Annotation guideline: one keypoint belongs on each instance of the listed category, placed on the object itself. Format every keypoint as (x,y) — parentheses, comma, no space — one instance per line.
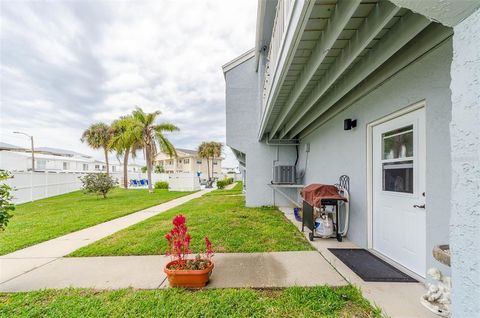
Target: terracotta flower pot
(188,278)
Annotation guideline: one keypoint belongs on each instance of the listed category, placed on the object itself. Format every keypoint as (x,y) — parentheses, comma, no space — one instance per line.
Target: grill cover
(315,193)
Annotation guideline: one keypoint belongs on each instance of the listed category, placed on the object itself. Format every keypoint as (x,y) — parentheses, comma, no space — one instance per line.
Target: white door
(398,161)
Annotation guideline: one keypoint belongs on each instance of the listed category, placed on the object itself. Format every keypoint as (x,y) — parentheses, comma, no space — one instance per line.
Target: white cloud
(66,65)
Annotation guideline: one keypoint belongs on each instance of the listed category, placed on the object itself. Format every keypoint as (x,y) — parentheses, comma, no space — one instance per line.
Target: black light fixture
(349,123)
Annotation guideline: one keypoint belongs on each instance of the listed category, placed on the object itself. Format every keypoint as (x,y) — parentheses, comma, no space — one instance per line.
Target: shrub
(144,169)
(221,184)
(161,185)
(99,183)
(159,169)
(6,206)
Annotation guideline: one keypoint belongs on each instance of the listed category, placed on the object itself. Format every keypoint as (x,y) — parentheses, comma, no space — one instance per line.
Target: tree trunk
(125,169)
(149,169)
(106,160)
(208,169)
(213,168)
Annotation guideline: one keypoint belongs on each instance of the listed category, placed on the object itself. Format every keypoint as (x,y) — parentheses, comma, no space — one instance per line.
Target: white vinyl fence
(30,186)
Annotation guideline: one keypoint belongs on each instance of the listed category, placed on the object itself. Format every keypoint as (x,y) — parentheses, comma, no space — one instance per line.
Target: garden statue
(437,298)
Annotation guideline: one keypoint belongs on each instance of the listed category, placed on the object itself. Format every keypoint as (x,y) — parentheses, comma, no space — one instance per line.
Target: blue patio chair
(142,182)
(133,183)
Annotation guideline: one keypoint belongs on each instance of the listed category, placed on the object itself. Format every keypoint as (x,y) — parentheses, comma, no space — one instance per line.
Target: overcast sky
(65,65)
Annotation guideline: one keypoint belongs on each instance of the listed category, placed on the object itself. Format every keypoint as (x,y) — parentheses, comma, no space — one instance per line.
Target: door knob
(419,206)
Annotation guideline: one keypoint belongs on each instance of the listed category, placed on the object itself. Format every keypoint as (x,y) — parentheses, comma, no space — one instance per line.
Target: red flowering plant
(179,247)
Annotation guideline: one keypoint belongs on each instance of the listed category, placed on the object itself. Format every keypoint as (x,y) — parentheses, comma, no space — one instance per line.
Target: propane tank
(324,226)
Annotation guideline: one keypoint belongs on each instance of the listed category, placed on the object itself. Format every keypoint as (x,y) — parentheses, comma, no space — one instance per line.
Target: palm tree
(205,151)
(126,141)
(98,136)
(152,133)
(217,148)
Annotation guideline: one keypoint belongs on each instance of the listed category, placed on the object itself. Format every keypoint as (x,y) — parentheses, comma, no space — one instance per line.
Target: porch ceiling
(342,43)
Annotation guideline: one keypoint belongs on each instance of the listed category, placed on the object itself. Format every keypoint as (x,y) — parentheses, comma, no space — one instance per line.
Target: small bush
(223,183)
(98,183)
(6,205)
(161,185)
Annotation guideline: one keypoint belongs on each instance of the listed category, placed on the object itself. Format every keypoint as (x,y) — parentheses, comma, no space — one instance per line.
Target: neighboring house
(230,170)
(133,167)
(15,158)
(188,161)
(408,74)
(22,161)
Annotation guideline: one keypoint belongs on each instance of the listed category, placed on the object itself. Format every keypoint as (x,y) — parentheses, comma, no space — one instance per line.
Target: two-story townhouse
(386,92)
(188,161)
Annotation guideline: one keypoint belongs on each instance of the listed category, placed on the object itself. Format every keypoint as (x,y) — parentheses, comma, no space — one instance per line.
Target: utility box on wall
(284,175)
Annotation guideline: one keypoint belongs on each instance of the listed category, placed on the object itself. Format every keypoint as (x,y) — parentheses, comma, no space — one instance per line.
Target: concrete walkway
(27,259)
(258,270)
(397,300)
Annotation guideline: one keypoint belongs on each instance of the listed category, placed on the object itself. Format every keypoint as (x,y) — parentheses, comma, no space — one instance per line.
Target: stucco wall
(465,140)
(334,152)
(242,119)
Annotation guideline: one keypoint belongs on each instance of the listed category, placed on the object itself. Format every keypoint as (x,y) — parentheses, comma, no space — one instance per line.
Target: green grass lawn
(45,219)
(290,302)
(236,190)
(224,219)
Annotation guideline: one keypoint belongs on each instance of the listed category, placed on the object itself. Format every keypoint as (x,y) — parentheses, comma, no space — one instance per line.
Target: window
(215,163)
(65,165)
(114,168)
(397,160)
(97,167)
(187,161)
(85,167)
(41,164)
(398,143)
(199,162)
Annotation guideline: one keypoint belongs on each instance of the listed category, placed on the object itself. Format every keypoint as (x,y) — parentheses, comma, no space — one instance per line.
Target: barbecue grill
(317,198)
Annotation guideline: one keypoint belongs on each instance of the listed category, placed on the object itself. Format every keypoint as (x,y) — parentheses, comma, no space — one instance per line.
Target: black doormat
(369,267)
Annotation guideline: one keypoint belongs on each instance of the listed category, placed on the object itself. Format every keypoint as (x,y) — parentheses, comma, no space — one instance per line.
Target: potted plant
(181,270)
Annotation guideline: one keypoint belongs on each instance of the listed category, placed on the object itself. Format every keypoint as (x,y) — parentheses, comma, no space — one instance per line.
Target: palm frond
(166,127)
(166,146)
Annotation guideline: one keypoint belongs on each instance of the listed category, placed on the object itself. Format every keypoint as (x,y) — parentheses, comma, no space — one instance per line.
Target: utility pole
(32,148)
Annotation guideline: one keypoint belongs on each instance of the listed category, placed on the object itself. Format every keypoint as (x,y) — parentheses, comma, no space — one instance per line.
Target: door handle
(419,206)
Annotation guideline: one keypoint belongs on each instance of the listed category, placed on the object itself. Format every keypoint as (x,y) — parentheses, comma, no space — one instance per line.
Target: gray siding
(334,152)
(242,118)
(465,136)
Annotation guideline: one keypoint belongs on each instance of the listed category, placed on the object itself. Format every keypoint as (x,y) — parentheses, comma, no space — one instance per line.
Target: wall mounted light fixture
(349,123)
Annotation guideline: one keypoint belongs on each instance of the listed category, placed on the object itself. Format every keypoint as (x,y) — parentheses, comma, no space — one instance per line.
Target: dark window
(398,176)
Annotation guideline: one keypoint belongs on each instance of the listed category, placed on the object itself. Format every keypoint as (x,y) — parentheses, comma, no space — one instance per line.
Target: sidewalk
(397,300)
(27,259)
(257,270)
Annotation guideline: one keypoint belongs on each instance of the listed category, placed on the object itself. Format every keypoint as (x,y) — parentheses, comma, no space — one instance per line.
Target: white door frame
(401,112)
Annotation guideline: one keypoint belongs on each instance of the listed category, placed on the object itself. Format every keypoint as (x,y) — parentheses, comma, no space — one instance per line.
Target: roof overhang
(341,44)
(238,60)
